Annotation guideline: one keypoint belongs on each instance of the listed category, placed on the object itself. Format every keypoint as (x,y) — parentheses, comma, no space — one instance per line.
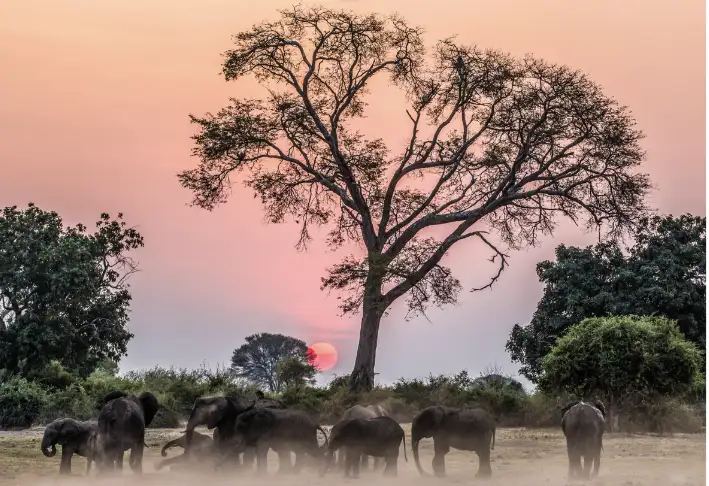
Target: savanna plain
(521,457)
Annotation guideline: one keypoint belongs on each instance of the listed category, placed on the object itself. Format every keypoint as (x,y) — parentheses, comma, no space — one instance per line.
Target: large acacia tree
(493,143)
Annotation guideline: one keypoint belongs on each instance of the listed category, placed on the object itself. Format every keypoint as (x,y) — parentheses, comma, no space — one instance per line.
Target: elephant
(74,436)
(121,426)
(220,413)
(583,425)
(465,429)
(362,412)
(203,447)
(281,430)
(379,437)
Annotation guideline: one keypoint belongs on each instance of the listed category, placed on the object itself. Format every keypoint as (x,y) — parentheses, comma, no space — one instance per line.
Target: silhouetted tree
(63,291)
(663,273)
(494,143)
(267,360)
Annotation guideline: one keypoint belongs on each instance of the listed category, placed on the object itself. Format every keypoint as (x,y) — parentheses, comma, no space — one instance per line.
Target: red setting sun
(323,356)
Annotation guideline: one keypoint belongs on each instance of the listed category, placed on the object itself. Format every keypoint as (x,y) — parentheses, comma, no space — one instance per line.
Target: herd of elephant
(244,432)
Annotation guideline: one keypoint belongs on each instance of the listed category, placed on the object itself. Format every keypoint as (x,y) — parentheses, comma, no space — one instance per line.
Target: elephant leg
(364,462)
(352,459)
(596,460)
(571,452)
(65,464)
(587,463)
(136,457)
(391,464)
(249,456)
(284,464)
(440,450)
(484,469)
(341,459)
(261,458)
(119,459)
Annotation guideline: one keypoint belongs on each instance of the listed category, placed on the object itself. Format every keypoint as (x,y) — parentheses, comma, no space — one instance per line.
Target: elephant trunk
(172,443)
(415,439)
(49,447)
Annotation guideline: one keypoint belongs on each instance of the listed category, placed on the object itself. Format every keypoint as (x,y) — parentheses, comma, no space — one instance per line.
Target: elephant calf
(202,445)
(465,429)
(281,430)
(74,436)
(583,425)
(361,412)
(377,437)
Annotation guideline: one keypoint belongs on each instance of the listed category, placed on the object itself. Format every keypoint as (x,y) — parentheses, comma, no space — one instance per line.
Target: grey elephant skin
(361,412)
(220,413)
(74,436)
(380,437)
(465,429)
(202,445)
(583,425)
(121,426)
(281,430)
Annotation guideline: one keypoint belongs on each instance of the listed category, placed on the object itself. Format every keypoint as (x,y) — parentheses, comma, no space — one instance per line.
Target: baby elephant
(74,436)
(201,444)
(377,437)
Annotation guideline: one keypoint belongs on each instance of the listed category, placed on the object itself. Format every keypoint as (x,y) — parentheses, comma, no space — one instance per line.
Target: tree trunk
(362,377)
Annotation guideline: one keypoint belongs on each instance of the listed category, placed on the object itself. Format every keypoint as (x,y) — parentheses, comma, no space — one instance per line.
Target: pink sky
(94,98)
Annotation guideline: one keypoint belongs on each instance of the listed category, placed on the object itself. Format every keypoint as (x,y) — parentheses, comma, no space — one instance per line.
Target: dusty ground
(521,457)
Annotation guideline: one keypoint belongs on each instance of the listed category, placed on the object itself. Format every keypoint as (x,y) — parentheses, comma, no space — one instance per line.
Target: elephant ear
(209,411)
(566,408)
(599,405)
(150,406)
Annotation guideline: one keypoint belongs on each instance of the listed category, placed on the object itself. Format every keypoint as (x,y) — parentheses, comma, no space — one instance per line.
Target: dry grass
(521,457)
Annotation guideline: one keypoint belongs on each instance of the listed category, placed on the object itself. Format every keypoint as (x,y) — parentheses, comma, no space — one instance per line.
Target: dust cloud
(521,457)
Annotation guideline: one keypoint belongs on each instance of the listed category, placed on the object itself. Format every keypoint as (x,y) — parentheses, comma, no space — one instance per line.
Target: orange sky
(94,98)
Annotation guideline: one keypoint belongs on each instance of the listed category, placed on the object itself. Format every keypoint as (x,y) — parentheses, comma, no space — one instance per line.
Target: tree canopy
(617,357)
(273,361)
(663,273)
(493,143)
(63,290)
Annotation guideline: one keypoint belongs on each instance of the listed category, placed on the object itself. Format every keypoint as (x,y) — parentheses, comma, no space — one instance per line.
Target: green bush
(58,394)
(21,403)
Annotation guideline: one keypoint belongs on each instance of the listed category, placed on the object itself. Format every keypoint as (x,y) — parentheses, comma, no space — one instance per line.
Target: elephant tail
(323,433)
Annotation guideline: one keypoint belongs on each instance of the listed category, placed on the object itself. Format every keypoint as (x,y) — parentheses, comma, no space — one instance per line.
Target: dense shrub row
(55,393)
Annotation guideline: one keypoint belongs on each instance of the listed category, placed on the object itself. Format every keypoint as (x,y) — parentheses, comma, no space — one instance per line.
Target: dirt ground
(521,457)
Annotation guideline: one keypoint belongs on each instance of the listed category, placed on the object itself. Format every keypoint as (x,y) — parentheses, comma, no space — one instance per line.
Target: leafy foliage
(272,361)
(663,274)
(63,291)
(293,372)
(503,144)
(618,357)
(21,402)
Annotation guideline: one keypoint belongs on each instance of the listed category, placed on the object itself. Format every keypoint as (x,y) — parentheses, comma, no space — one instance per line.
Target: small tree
(258,359)
(663,273)
(293,372)
(494,143)
(63,291)
(619,357)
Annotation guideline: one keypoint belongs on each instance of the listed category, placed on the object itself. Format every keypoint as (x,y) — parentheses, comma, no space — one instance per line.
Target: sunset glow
(324,356)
